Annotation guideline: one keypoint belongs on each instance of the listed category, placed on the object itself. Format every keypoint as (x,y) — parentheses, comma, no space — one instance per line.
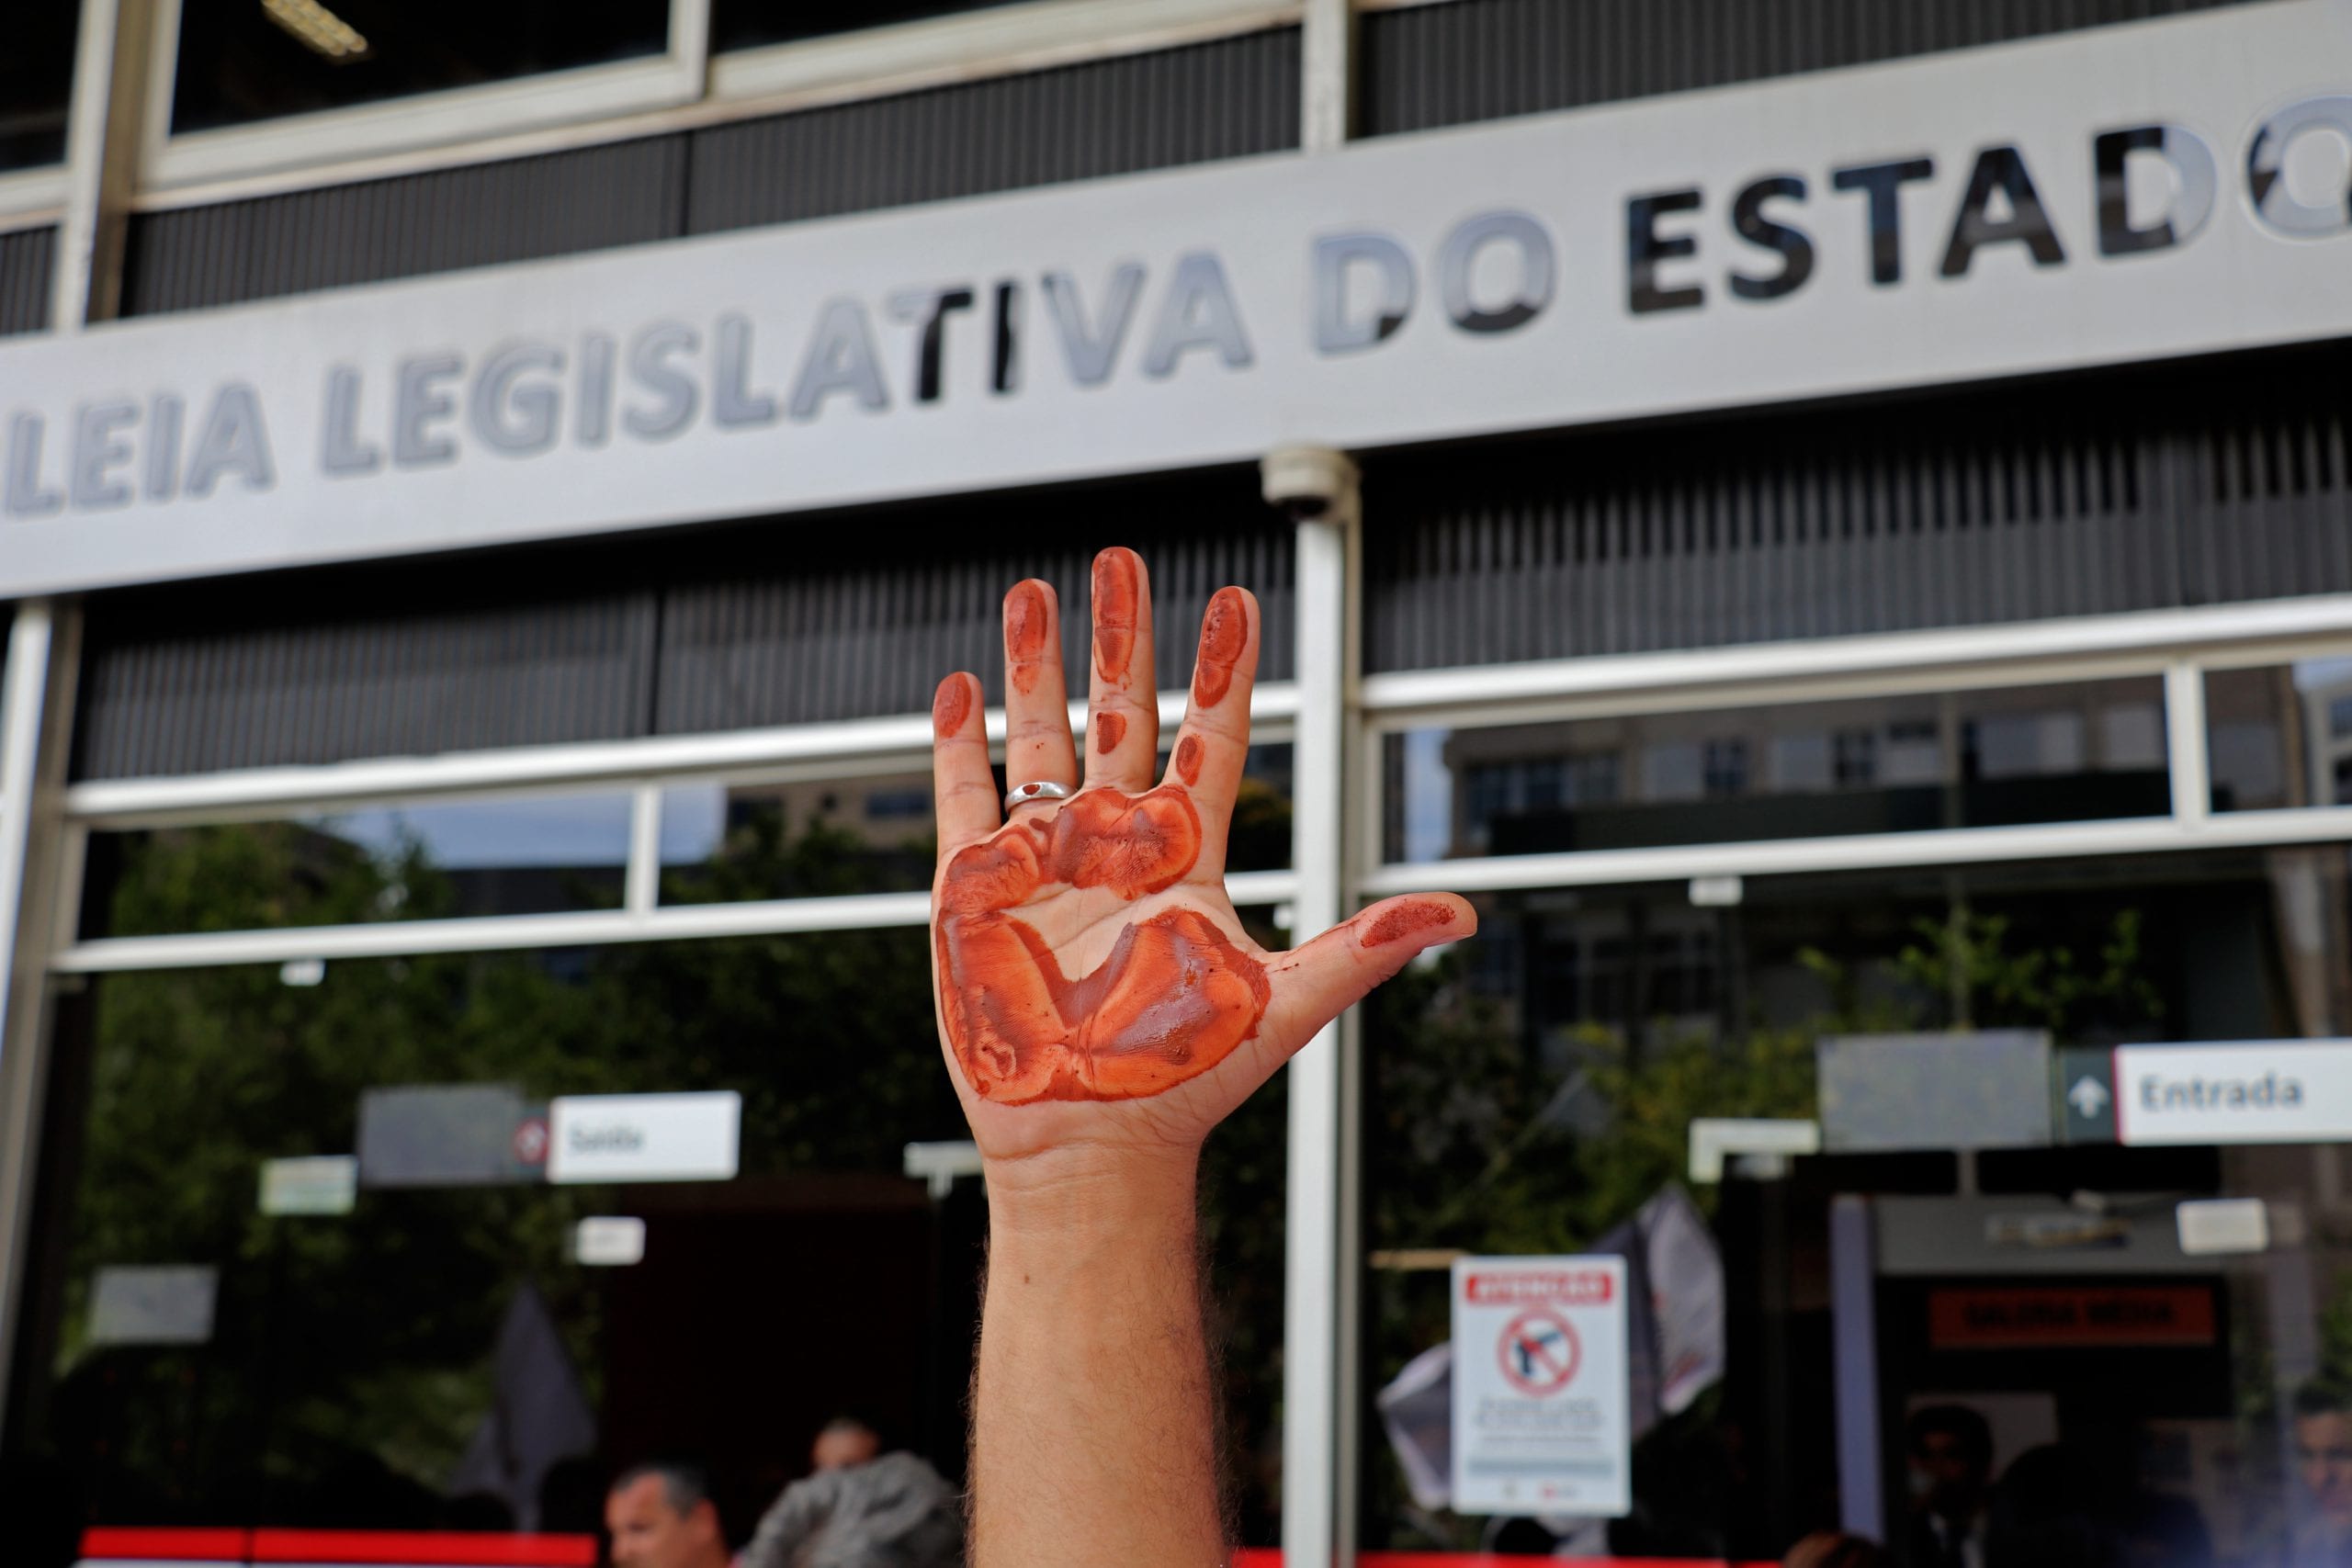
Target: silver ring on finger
(1034,793)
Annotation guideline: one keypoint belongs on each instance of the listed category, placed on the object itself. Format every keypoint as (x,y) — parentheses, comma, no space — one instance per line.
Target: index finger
(1214,744)
(962,784)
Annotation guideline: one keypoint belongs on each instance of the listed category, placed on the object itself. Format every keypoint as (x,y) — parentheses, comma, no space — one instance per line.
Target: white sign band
(2071,201)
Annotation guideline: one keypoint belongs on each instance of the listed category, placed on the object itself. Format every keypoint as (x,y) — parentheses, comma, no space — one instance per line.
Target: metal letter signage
(2167,188)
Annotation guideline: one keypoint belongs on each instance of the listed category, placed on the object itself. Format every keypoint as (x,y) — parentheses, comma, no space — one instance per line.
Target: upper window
(746,23)
(2280,736)
(243,60)
(2083,751)
(36,84)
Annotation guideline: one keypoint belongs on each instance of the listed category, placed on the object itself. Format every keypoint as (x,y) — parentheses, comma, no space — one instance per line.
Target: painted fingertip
(1028,618)
(952,705)
(1028,631)
(1225,637)
(1414,918)
(1118,601)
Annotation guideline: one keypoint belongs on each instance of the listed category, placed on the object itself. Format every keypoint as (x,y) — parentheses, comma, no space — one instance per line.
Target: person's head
(844,1444)
(1836,1549)
(660,1514)
(1951,1450)
(2324,1451)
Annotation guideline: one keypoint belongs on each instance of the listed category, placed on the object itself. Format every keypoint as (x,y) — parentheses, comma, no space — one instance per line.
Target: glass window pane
(430,1351)
(2074,752)
(2280,736)
(542,855)
(36,84)
(1532,1091)
(724,842)
(746,23)
(428,1348)
(243,60)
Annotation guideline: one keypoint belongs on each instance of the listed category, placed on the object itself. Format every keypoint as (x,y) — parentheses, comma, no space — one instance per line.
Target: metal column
(38,856)
(1323,1244)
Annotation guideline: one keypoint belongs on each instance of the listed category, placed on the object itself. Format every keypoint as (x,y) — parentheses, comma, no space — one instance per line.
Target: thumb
(1315,983)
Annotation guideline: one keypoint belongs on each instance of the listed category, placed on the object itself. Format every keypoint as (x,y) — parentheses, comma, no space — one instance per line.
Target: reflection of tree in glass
(350,1358)
(1963,972)
(1474,1145)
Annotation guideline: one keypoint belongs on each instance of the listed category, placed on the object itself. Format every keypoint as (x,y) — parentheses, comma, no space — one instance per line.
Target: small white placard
(1717,892)
(644,1137)
(2268,1091)
(2214,1226)
(154,1305)
(320,1184)
(1540,1423)
(609,1241)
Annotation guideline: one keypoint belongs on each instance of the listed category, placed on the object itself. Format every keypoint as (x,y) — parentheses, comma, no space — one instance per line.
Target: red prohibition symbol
(1540,1352)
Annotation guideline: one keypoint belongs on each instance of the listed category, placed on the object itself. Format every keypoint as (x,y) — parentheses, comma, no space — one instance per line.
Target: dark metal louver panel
(1447,63)
(26,257)
(438,221)
(781,621)
(2144,490)
(1220,100)
(814,619)
(256,674)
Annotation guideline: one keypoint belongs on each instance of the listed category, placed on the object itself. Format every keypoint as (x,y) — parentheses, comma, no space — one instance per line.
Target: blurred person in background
(1836,1549)
(1951,1469)
(860,1508)
(660,1514)
(2323,1462)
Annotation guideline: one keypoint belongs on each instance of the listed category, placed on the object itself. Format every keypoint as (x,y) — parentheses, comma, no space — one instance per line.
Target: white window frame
(32,198)
(644,768)
(37,197)
(999,41)
(2178,646)
(555,99)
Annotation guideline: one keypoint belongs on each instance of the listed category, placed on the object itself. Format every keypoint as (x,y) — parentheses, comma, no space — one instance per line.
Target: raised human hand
(1095,990)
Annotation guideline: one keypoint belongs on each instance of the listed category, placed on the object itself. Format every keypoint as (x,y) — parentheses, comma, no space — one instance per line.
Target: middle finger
(1123,709)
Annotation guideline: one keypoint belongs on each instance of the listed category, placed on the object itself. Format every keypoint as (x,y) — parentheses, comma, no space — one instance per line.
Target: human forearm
(1091,1438)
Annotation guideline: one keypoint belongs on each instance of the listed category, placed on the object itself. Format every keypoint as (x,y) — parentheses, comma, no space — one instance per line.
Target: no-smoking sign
(1540,1386)
(1540,1351)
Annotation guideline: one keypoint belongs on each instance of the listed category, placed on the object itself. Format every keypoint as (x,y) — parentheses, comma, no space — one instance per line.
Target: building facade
(1828,521)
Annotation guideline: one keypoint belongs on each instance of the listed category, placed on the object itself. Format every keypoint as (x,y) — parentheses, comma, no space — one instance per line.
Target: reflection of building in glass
(2054,753)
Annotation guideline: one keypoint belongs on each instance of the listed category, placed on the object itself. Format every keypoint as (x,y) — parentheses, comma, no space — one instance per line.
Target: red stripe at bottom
(167,1545)
(470,1548)
(475,1548)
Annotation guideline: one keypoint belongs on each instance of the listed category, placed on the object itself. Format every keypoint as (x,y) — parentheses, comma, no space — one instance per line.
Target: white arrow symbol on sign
(2088,1097)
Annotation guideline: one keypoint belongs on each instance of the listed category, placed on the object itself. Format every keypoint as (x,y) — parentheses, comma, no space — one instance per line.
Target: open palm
(1095,986)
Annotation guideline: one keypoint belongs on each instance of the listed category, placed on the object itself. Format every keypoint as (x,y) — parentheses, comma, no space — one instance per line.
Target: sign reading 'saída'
(2170,188)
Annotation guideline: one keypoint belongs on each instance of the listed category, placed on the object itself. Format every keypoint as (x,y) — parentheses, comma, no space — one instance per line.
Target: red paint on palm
(1225,632)
(1174,997)
(1118,597)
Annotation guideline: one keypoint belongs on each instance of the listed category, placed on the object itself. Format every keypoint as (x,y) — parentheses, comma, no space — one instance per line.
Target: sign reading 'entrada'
(2278,1092)
(2058,203)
